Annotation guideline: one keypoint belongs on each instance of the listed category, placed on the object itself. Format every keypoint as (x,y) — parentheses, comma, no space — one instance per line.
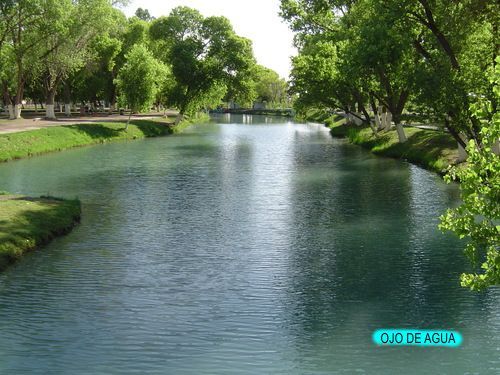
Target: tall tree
(74,25)
(26,30)
(143,14)
(270,87)
(140,79)
(455,41)
(205,54)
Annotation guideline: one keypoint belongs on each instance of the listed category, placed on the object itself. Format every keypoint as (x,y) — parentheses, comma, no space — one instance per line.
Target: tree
(143,14)
(6,14)
(25,31)
(270,87)
(205,54)
(455,41)
(95,80)
(478,217)
(139,80)
(432,53)
(329,72)
(383,54)
(75,25)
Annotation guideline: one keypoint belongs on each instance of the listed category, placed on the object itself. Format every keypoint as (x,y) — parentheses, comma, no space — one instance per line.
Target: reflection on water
(268,248)
(231,118)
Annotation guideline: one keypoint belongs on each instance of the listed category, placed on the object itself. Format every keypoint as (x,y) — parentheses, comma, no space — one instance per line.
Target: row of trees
(87,51)
(426,56)
(434,57)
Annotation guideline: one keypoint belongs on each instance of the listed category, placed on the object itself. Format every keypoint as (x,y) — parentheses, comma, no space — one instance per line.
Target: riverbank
(18,145)
(27,223)
(430,149)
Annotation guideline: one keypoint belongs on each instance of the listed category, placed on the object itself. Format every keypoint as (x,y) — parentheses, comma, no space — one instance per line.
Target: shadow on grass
(30,228)
(431,149)
(153,128)
(425,147)
(95,130)
(116,129)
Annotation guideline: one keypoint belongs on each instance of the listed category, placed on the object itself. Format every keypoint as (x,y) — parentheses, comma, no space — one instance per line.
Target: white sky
(257,20)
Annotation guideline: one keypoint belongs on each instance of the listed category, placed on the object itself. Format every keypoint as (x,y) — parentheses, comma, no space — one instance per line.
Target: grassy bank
(26,223)
(190,120)
(33,142)
(58,138)
(430,149)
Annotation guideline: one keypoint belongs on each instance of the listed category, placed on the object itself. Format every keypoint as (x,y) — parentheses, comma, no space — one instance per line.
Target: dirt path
(25,124)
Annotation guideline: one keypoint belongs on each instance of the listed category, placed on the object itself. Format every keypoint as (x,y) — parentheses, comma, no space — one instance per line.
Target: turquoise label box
(417,337)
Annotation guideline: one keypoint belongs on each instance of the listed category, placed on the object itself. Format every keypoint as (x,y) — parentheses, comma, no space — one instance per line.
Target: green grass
(337,126)
(315,115)
(27,223)
(430,149)
(58,138)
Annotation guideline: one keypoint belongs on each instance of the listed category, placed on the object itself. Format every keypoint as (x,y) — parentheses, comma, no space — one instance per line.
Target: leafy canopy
(138,80)
(478,217)
(205,54)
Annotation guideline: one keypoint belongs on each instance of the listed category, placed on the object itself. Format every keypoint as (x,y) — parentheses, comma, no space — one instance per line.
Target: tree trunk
(179,118)
(373,105)
(431,24)
(128,121)
(388,120)
(462,154)
(377,114)
(368,118)
(112,102)
(383,119)
(378,123)
(17,110)
(9,108)
(19,92)
(454,133)
(49,112)
(358,121)
(401,133)
(11,112)
(67,99)
(67,109)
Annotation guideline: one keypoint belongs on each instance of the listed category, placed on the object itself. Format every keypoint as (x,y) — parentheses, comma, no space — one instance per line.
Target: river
(249,246)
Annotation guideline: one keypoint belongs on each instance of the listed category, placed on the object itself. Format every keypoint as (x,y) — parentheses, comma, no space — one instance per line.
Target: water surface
(250,246)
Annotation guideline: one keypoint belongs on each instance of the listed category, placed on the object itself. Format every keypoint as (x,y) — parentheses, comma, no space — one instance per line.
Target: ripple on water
(244,249)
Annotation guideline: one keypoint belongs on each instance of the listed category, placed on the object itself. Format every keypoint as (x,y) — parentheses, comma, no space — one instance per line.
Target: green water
(251,246)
